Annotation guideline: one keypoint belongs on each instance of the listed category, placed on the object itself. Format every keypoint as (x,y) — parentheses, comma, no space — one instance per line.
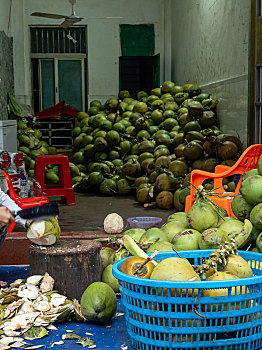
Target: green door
(137,40)
(47,83)
(61,80)
(138,66)
(70,82)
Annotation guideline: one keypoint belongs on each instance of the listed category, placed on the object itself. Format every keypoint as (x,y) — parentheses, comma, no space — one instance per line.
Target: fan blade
(69,22)
(47,15)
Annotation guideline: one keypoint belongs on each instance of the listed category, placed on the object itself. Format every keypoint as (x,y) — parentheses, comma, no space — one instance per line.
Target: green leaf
(71,336)
(35,333)
(85,342)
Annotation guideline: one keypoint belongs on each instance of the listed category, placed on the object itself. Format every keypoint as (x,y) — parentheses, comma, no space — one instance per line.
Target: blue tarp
(105,338)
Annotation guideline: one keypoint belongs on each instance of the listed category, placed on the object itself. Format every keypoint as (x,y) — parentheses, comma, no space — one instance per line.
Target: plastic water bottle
(23,184)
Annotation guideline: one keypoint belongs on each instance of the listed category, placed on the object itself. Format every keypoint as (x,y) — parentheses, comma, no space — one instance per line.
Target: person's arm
(6,201)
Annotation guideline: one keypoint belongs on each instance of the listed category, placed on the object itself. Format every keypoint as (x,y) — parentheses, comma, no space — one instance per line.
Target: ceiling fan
(68,20)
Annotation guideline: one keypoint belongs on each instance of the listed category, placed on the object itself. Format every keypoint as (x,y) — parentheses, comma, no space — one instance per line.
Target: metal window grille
(48,40)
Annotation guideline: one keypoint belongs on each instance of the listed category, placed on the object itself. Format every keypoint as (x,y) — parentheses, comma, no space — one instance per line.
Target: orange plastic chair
(247,161)
(23,203)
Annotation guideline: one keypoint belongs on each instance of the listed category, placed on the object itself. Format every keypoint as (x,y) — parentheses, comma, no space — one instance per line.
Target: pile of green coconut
(30,143)
(148,144)
(205,226)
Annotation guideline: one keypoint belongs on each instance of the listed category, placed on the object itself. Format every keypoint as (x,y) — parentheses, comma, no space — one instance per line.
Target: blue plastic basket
(144,222)
(174,315)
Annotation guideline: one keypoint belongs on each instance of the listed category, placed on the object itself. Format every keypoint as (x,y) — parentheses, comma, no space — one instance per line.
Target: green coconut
(107,255)
(164,200)
(135,233)
(187,240)
(151,236)
(259,242)
(237,230)
(178,216)
(123,187)
(250,173)
(240,207)
(254,234)
(79,158)
(251,189)
(177,204)
(109,279)
(51,178)
(256,216)
(95,178)
(201,216)
(98,302)
(172,228)
(162,246)
(259,166)
(212,238)
(108,187)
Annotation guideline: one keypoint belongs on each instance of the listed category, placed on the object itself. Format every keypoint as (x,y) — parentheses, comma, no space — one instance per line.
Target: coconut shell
(177,204)
(165,200)
(227,150)
(193,151)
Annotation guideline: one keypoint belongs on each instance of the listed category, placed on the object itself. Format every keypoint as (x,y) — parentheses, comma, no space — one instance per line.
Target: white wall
(4,16)
(210,48)
(103,38)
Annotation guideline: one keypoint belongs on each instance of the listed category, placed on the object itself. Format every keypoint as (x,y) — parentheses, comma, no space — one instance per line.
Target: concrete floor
(90,211)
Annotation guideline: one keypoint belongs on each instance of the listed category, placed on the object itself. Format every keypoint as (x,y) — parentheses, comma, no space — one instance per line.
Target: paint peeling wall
(210,48)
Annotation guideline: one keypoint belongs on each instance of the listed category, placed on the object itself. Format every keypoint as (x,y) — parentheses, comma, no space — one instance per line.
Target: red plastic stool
(64,187)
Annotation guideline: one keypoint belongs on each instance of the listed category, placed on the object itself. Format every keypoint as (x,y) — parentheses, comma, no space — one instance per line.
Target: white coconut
(44,232)
(35,279)
(28,290)
(113,223)
(47,283)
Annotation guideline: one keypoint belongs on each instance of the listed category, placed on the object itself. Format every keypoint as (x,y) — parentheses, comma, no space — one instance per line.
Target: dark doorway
(138,73)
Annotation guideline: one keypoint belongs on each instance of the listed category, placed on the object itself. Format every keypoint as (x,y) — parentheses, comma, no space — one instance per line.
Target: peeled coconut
(44,232)
(219,293)
(238,266)
(176,269)
(113,223)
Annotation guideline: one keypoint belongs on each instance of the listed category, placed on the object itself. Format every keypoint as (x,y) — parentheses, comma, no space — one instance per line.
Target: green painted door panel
(137,40)
(47,83)
(70,82)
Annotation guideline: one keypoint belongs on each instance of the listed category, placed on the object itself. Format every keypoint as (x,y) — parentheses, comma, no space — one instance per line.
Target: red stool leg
(11,227)
(64,187)
(70,197)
